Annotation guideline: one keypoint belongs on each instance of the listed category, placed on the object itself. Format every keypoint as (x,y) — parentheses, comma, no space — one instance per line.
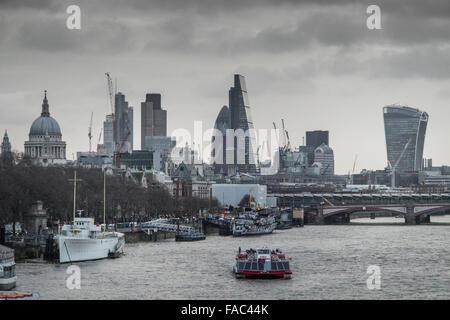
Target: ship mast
(104,199)
(74,180)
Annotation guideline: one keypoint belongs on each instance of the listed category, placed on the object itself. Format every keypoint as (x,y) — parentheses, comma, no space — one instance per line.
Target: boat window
(248,266)
(260,266)
(274,266)
(265,251)
(241,265)
(286,265)
(254,266)
(280,265)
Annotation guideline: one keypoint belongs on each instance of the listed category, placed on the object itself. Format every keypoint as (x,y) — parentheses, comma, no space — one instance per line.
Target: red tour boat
(262,263)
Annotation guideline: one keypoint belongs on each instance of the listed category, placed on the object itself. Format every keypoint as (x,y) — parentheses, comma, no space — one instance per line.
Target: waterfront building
(232,194)
(153,118)
(123,124)
(324,158)
(6,145)
(403,125)
(45,145)
(435,176)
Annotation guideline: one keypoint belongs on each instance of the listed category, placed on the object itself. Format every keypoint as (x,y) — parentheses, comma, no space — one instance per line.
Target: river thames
(328,262)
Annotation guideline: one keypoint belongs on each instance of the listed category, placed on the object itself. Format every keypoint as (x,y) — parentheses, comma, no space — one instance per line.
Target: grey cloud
(50,5)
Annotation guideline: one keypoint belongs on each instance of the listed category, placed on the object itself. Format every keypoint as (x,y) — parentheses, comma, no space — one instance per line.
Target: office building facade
(153,118)
(241,118)
(405,130)
(123,124)
(108,135)
(219,141)
(313,140)
(324,158)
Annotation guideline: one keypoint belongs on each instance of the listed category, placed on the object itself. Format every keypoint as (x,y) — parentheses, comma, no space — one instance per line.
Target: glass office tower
(403,124)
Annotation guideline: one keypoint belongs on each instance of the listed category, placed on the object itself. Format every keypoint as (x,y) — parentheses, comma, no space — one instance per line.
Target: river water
(328,262)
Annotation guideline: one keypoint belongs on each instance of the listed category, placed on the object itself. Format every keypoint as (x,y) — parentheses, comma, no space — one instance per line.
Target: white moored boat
(83,240)
(7,268)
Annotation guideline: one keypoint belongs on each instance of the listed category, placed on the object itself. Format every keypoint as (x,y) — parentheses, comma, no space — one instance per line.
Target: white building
(45,145)
(324,159)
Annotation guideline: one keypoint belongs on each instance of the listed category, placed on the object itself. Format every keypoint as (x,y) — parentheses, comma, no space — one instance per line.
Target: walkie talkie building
(405,127)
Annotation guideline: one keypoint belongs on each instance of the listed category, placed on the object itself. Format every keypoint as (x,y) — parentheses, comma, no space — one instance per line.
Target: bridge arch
(432,210)
(353,209)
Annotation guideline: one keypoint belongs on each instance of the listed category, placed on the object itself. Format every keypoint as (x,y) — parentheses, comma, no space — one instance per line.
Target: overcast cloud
(313,63)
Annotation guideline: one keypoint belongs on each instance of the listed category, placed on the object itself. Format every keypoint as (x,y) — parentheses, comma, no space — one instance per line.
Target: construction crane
(354,163)
(328,201)
(90,133)
(397,162)
(350,179)
(287,142)
(100,136)
(110,92)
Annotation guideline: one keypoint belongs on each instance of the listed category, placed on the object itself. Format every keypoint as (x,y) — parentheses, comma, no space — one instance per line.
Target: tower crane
(110,92)
(287,141)
(350,179)
(90,133)
(100,136)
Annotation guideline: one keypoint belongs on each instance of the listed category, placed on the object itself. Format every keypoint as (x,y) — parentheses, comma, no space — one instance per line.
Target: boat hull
(188,238)
(8,283)
(72,249)
(255,274)
(251,233)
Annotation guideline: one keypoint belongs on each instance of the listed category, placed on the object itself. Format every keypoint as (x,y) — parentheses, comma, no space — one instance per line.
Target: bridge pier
(346,218)
(319,217)
(410,218)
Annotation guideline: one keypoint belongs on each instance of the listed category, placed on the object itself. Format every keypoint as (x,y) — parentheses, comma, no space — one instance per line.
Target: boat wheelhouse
(262,263)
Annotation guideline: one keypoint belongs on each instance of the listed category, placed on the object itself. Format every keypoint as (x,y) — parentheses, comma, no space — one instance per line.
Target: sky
(313,63)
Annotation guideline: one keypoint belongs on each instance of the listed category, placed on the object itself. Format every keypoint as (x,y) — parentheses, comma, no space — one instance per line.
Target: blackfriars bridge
(337,207)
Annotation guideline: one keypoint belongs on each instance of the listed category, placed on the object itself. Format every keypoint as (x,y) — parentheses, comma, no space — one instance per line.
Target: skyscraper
(123,126)
(219,142)
(405,127)
(236,117)
(153,118)
(313,140)
(241,118)
(324,156)
(108,135)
